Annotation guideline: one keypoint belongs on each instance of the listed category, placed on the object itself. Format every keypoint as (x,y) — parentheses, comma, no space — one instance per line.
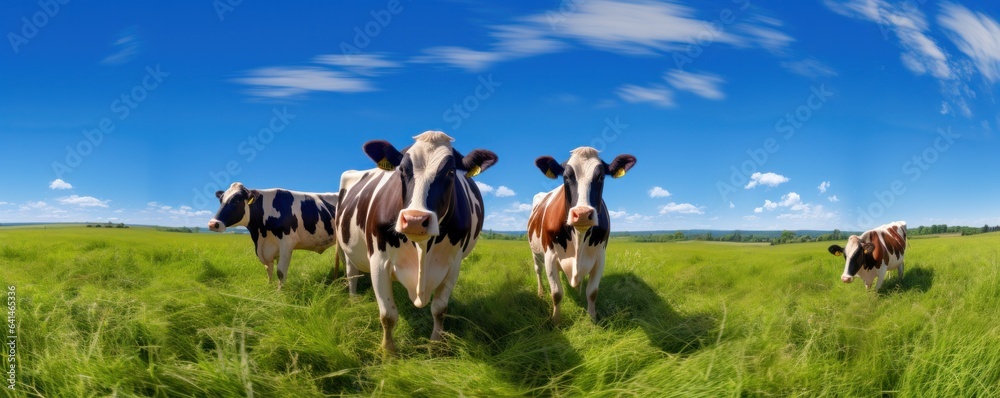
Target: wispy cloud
(833,198)
(976,35)
(633,27)
(338,74)
(809,67)
(920,53)
(58,183)
(766,179)
(703,85)
(126,48)
(658,192)
(656,95)
(518,207)
(484,188)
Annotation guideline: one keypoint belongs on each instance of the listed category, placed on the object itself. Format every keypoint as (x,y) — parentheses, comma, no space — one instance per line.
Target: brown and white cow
(873,254)
(569,226)
(412,220)
(279,222)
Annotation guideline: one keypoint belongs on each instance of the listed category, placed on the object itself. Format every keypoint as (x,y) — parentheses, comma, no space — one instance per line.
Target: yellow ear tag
(250,202)
(867,251)
(619,173)
(385,165)
(474,171)
(548,173)
(838,254)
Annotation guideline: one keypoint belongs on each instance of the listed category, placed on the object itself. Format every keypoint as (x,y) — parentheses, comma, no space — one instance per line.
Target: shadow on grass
(915,279)
(625,301)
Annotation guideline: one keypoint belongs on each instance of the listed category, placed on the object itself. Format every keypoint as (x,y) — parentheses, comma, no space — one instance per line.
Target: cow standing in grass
(279,222)
(413,220)
(569,226)
(873,254)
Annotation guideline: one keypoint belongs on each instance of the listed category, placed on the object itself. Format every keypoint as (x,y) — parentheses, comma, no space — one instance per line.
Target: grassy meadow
(136,312)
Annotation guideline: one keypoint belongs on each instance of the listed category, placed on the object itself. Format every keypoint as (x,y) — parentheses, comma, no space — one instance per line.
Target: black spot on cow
(284,222)
(310,215)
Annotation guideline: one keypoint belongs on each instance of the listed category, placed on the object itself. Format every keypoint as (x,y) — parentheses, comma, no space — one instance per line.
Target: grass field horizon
(149,313)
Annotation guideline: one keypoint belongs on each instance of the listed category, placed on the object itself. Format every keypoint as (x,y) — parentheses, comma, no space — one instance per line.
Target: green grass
(144,313)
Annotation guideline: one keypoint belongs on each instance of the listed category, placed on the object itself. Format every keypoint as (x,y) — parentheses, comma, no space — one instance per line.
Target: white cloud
(769,205)
(626,27)
(681,208)
(5,203)
(126,48)
(920,53)
(823,186)
(790,200)
(656,95)
(976,35)
(503,192)
(702,85)
(34,205)
(617,214)
(518,207)
(767,179)
(83,201)
(505,222)
(362,64)
(809,67)
(58,183)
(731,205)
(281,82)
(166,208)
(945,108)
(658,192)
(758,210)
(834,198)
(484,188)
(750,218)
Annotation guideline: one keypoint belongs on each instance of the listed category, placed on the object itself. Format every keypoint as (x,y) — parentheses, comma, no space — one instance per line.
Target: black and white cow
(569,226)
(873,254)
(279,222)
(413,220)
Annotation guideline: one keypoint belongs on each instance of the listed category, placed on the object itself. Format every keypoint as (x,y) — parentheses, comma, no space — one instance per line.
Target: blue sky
(742,114)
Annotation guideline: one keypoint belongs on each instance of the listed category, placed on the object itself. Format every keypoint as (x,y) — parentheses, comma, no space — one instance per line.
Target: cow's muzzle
(417,225)
(582,217)
(216,226)
(846,278)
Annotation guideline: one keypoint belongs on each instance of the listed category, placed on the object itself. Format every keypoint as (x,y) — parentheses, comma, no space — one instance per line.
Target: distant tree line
(107,225)
(945,229)
(503,235)
(186,230)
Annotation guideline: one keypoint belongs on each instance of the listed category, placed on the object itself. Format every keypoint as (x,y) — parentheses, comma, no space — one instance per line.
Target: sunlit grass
(141,312)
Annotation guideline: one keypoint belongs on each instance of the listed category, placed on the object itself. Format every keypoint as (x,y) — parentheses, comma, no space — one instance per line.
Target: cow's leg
(539,265)
(266,252)
(593,282)
(881,277)
(439,307)
(352,277)
(899,272)
(284,259)
(552,269)
(382,284)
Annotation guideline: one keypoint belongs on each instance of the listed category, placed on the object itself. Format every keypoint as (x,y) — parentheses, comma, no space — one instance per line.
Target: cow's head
(859,249)
(583,182)
(427,170)
(234,207)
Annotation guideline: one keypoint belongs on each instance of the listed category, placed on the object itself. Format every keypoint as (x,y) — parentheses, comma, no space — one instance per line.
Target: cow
(412,220)
(569,226)
(873,254)
(279,222)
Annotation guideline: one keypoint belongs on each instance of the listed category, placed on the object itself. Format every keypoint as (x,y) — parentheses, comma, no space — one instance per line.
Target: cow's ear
(620,165)
(869,247)
(252,196)
(549,166)
(836,250)
(219,194)
(383,154)
(475,162)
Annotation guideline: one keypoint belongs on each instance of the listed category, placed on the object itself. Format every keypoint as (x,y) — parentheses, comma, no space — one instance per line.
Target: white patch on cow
(427,154)
(584,161)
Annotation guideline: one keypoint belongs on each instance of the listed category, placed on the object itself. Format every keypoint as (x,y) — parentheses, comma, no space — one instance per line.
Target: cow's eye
(451,173)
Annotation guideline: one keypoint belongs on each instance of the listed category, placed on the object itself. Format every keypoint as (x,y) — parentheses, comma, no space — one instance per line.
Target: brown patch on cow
(548,220)
(895,240)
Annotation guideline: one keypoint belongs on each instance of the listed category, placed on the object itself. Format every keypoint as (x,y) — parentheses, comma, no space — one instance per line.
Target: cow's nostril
(427,222)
